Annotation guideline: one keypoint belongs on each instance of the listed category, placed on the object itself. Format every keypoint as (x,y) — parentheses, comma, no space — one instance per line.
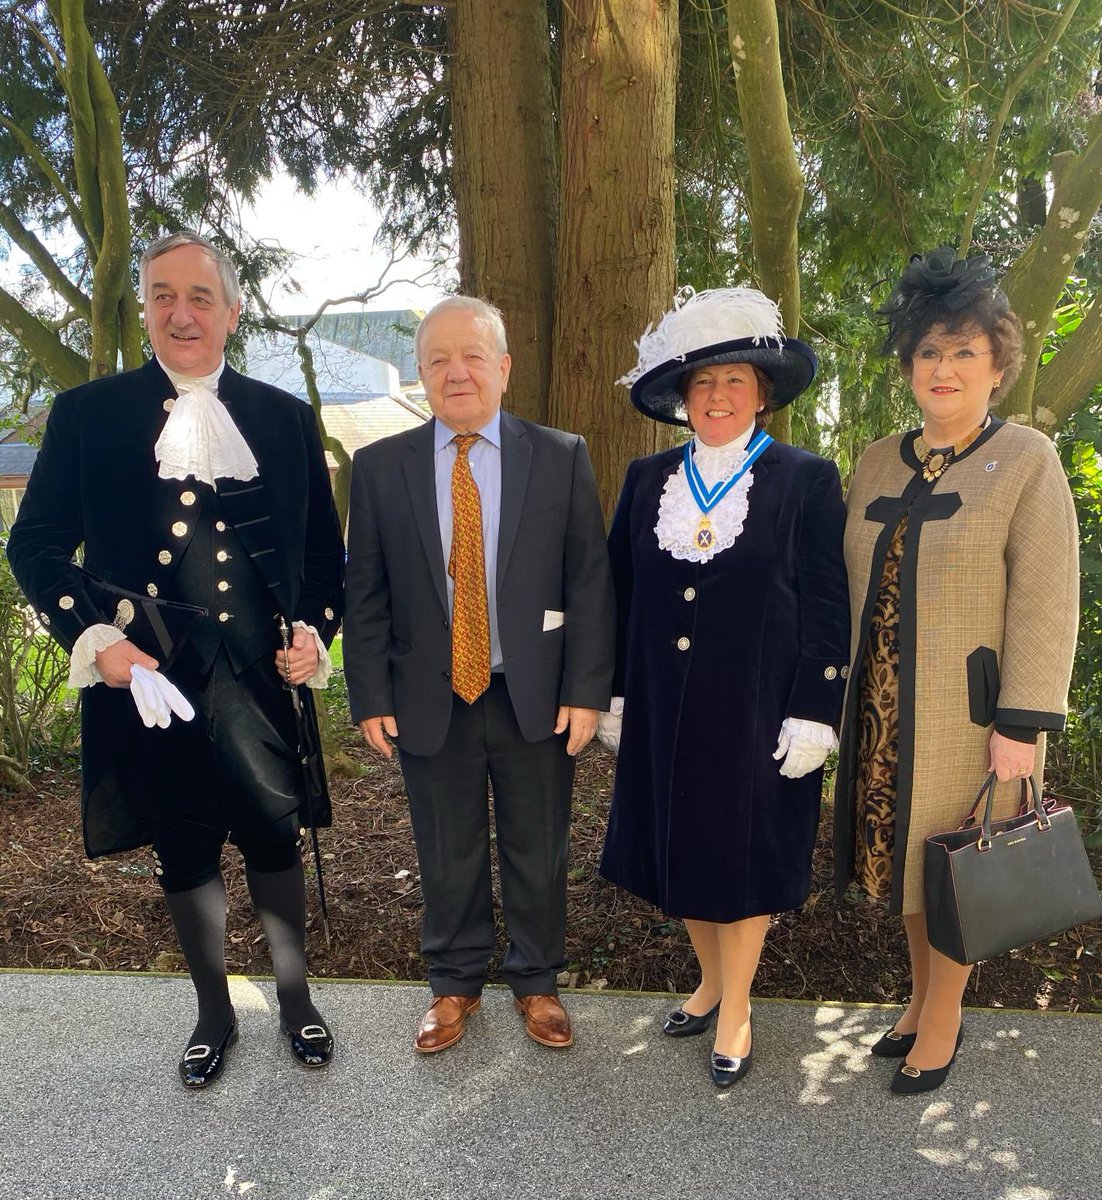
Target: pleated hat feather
(703,329)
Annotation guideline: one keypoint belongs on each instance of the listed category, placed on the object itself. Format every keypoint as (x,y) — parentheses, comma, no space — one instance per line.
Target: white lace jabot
(200,438)
(678,513)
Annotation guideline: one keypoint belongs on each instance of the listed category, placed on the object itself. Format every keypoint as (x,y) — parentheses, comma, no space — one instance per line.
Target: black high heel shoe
(727,1070)
(202,1064)
(893,1045)
(909,1081)
(312,1045)
(679,1023)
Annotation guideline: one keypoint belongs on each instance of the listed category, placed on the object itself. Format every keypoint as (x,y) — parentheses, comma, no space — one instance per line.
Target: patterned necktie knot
(467,567)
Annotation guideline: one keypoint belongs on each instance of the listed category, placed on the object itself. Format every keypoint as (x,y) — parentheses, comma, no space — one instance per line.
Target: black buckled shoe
(679,1023)
(312,1045)
(893,1045)
(202,1064)
(909,1081)
(727,1071)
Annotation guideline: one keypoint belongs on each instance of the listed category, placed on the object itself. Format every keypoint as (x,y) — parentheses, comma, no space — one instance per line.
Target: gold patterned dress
(878,736)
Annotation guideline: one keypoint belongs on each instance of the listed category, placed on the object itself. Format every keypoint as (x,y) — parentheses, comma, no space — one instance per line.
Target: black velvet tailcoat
(95,484)
(703,825)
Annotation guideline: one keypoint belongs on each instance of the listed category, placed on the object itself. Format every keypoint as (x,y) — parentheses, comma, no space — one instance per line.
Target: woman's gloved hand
(608,725)
(804,746)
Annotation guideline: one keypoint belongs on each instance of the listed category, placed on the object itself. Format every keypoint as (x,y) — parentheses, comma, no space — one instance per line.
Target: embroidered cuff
(809,733)
(325,664)
(82,662)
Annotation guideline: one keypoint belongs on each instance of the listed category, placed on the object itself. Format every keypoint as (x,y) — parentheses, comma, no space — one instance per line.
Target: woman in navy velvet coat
(733,637)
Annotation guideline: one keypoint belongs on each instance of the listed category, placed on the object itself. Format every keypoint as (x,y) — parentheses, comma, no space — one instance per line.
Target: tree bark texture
(101,184)
(504,180)
(616,230)
(1036,280)
(776,182)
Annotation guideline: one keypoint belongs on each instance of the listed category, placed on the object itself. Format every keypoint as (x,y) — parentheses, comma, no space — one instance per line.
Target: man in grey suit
(479,638)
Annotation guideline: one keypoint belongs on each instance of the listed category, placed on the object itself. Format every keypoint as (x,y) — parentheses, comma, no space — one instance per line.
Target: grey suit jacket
(551,557)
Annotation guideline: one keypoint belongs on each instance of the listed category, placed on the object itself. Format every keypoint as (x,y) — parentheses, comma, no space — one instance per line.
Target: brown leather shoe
(545,1020)
(442,1025)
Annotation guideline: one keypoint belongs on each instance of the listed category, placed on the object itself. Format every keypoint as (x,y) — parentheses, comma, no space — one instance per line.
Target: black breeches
(230,774)
(188,855)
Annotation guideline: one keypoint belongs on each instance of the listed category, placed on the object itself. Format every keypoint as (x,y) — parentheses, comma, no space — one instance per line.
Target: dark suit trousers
(532,787)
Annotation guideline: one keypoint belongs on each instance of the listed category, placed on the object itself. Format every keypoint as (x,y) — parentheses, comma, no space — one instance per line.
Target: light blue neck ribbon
(707,498)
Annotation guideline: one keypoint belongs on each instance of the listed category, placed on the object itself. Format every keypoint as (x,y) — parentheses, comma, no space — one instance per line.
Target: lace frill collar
(679,515)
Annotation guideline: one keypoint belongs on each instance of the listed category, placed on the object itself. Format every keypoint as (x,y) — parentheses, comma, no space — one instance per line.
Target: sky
(332,232)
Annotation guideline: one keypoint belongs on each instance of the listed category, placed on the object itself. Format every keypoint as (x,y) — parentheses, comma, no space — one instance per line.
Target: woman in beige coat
(962,552)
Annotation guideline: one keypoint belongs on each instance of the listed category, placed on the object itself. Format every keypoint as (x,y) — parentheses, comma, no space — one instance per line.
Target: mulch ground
(58,909)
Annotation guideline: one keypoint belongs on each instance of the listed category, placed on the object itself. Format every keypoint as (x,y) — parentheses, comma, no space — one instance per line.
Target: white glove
(804,746)
(156,699)
(608,725)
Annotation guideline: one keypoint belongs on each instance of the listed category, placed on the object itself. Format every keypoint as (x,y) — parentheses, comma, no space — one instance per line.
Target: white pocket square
(552,619)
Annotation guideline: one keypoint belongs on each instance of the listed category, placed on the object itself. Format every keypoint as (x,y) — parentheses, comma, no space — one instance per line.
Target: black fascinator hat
(939,289)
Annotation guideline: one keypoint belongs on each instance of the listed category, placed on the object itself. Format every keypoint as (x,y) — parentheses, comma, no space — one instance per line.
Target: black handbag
(998,885)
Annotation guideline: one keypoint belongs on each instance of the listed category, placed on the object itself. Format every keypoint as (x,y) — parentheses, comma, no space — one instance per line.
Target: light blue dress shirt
(485,459)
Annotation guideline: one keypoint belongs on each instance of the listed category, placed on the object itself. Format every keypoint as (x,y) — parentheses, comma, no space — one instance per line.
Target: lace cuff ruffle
(320,677)
(810,733)
(82,662)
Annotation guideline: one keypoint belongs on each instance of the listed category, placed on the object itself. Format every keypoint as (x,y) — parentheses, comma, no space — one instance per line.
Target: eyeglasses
(928,358)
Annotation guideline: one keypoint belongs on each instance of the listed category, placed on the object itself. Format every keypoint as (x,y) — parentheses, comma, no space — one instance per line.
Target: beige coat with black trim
(989,612)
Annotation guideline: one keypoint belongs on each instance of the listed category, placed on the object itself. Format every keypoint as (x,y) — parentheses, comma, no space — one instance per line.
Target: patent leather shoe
(893,1045)
(679,1023)
(909,1081)
(202,1064)
(312,1045)
(727,1071)
(442,1025)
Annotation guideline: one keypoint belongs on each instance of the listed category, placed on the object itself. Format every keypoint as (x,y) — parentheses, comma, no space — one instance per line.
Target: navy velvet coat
(703,825)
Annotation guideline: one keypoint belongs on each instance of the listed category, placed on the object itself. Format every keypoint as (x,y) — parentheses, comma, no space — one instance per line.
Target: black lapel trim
(921,504)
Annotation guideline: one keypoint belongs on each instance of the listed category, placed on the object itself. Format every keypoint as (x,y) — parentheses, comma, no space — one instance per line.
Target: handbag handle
(1044,822)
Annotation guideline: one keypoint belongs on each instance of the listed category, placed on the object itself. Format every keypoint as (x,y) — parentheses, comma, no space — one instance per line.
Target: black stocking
(199,916)
(280,901)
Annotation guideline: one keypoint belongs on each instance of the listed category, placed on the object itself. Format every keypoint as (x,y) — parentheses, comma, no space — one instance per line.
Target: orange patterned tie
(467,566)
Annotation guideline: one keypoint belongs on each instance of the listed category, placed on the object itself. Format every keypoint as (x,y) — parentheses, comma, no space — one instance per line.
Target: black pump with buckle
(909,1081)
(202,1064)
(893,1045)
(312,1045)
(679,1023)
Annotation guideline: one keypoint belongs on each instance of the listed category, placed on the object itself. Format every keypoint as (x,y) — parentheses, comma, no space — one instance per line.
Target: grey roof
(386,335)
(17,458)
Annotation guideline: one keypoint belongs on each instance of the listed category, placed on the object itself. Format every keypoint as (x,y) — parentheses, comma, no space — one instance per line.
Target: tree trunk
(616,240)
(776,182)
(101,181)
(503,176)
(1037,278)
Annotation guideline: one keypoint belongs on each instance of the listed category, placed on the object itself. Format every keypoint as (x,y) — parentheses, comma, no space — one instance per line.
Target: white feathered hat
(706,328)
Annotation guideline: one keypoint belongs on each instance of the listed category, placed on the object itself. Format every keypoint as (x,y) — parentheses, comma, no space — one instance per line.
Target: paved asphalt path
(92,1108)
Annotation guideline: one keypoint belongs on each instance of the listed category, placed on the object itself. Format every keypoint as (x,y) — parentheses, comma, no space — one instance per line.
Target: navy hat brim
(792,366)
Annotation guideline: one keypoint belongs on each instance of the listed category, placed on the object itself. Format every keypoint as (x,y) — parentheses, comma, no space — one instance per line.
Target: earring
(998,384)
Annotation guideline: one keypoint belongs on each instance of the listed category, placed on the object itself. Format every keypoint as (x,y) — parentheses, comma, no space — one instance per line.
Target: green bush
(38,714)
(1076,755)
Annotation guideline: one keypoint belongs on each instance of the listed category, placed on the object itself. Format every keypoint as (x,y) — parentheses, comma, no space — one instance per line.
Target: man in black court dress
(187,482)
